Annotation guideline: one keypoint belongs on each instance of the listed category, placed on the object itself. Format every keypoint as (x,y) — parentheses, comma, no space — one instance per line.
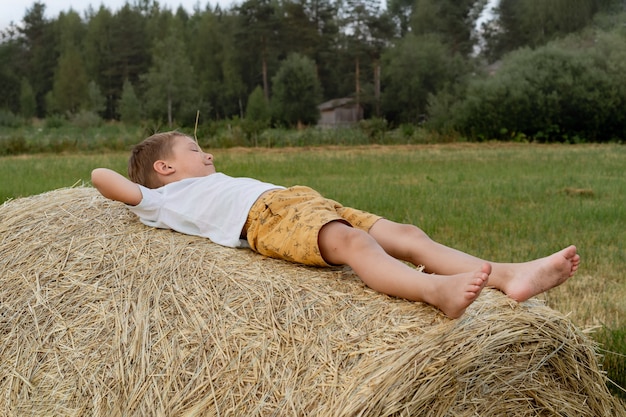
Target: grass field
(504,202)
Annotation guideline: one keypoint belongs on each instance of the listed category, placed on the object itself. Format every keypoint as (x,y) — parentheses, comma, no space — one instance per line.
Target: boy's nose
(208,156)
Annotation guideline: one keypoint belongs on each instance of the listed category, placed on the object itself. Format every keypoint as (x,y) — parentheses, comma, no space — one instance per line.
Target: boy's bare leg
(452,294)
(519,281)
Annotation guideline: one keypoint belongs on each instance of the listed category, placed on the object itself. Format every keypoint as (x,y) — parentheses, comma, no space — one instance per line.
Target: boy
(175,185)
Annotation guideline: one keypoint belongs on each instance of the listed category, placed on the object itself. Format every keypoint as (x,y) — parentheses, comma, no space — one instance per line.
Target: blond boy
(175,185)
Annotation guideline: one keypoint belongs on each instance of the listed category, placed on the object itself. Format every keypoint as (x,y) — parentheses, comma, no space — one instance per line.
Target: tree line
(539,69)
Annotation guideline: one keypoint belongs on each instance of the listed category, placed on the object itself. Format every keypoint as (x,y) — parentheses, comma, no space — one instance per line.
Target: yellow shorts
(285,223)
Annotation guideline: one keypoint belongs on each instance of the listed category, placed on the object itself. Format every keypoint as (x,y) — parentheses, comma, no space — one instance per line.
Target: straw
(103,316)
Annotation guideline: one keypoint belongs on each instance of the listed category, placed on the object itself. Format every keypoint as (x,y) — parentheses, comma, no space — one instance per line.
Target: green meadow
(503,202)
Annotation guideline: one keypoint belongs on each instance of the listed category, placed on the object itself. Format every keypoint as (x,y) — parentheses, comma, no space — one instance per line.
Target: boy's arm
(115,186)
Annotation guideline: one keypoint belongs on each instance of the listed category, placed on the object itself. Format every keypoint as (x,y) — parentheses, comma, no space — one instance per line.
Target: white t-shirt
(215,206)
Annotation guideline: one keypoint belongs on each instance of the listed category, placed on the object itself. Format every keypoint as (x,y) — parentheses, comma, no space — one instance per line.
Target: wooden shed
(339,112)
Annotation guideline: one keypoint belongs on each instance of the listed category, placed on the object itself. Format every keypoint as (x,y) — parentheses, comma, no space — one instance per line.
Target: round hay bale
(103,316)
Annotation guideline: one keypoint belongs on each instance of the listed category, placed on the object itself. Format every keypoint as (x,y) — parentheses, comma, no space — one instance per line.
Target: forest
(536,70)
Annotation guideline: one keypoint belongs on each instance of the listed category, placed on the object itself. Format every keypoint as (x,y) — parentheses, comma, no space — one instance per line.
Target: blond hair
(146,153)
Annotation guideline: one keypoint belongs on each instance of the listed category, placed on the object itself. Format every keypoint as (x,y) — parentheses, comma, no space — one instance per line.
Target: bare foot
(457,292)
(532,278)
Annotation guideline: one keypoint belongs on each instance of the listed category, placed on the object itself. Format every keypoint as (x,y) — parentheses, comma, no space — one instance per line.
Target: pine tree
(28,104)
(170,81)
(70,83)
(129,105)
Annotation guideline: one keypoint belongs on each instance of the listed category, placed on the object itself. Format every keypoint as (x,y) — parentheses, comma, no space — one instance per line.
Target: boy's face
(188,160)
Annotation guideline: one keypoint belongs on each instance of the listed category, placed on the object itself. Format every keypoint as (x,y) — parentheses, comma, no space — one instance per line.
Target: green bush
(224,134)
(13,145)
(55,122)
(296,91)
(556,93)
(374,129)
(85,119)
(8,119)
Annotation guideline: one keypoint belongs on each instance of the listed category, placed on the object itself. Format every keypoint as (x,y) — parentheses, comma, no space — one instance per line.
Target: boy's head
(145,154)
(168,157)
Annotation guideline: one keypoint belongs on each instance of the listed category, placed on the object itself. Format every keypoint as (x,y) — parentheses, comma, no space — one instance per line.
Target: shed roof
(335,103)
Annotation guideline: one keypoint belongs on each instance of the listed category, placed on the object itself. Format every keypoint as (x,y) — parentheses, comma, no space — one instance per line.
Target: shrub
(552,94)
(54,122)
(374,129)
(8,119)
(297,91)
(13,145)
(85,119)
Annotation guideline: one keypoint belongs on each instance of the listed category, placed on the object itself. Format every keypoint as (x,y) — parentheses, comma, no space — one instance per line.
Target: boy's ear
(163,168)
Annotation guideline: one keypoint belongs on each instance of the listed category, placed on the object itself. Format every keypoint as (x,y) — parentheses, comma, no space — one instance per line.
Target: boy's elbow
(104,181)
(97,177)
(114,186)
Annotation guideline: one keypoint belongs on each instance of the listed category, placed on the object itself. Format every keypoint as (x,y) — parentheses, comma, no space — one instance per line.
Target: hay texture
(103,316)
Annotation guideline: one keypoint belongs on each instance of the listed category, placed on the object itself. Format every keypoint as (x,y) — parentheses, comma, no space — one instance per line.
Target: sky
(14,10)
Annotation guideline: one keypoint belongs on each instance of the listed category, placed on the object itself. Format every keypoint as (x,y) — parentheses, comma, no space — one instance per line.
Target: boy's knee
(338,238)
(341,233)
(414,231)
(353,238)
(407,230)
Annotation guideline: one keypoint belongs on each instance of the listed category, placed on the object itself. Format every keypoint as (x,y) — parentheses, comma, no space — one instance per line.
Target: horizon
(14,11)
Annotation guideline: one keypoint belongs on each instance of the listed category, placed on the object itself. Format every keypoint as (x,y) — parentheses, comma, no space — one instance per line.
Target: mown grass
(503,202)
